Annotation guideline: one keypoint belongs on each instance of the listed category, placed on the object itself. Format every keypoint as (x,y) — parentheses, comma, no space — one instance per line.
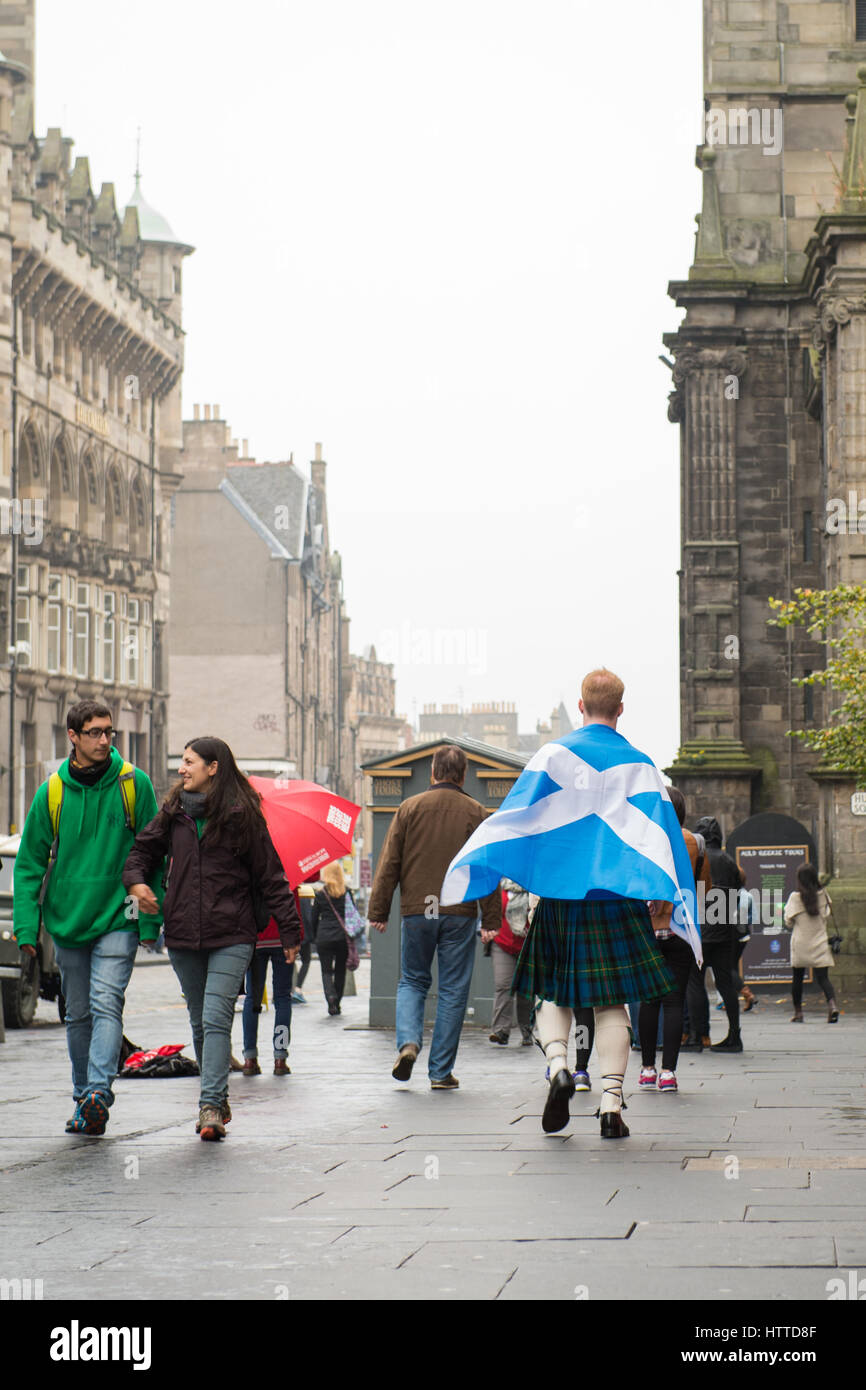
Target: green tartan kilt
(596,951)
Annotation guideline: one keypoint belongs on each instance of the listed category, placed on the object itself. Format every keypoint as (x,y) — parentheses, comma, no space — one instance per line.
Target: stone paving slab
(324,1187)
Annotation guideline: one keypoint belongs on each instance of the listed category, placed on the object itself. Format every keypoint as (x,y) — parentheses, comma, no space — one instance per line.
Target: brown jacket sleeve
(387,870)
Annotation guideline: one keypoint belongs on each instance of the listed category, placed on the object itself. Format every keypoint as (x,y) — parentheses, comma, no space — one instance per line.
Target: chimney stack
(216,412)
(207,412)
(196,411)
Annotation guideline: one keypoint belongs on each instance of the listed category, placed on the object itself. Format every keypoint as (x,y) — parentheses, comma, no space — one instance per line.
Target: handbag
(517,911)
(834,941)
(354,920)
(353,960)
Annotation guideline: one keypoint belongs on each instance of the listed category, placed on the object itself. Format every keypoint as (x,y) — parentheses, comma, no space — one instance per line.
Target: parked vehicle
(24,979)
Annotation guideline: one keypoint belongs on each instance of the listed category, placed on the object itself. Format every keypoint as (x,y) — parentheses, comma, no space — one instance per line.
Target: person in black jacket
(213,834)
(328,926)
(719,929)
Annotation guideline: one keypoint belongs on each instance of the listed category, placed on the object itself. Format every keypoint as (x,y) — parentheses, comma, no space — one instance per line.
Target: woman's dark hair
(807,877)
(678,802)
(233,808)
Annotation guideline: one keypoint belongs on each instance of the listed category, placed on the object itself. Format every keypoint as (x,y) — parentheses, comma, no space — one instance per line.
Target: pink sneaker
(668,1081)
(647,1076)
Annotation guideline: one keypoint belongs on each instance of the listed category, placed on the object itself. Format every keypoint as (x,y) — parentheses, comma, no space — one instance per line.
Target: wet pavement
(336,1182)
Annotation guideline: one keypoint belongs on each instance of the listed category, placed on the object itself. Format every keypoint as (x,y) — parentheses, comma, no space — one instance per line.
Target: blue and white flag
(589,817)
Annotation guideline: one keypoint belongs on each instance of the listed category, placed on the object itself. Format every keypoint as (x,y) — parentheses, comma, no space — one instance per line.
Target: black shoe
(501,1038)
(613,1126)
(728,1044)
(526,1040)
(556,1114)
(333,1009)
(693,1045)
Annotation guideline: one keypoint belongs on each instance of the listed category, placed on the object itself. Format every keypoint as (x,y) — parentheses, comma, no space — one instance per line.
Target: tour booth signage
(490,775)
(769,849)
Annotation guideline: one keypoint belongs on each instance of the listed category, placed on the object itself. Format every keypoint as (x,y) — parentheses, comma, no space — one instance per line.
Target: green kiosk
(490,775)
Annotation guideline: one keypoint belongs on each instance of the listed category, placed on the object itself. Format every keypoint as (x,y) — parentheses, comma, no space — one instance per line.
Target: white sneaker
(647,1076)
(668,1081)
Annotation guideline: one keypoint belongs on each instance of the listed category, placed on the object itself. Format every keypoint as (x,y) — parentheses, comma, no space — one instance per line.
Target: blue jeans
(211,981)
(281,974)
(452,940)
(94,980)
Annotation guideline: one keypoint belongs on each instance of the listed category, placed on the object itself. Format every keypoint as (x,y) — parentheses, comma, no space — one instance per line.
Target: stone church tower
(769,378)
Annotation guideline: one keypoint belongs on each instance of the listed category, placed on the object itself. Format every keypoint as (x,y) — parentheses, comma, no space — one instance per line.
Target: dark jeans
(679,958)
(255,987)
(822,975)
(304,956)
(721,957)
(332,959)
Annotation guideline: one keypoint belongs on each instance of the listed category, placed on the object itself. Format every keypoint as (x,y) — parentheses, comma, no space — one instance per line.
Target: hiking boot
(210,1123)
(225,1116)
(251,1067)
(281,1067)
(402,1068)
(444,1083)
(500,1037)
(91,1115)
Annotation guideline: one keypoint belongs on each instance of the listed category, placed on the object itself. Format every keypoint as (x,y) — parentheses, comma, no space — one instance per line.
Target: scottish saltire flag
(589,817)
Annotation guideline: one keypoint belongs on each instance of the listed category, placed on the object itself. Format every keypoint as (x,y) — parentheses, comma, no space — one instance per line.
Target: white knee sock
(612,1046)
(554,1027)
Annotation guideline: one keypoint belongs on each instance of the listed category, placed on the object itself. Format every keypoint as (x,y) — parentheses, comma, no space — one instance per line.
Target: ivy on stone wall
(837,618)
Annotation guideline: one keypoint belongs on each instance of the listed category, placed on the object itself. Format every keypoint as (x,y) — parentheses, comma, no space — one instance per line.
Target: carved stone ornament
(731,361)
(833,312)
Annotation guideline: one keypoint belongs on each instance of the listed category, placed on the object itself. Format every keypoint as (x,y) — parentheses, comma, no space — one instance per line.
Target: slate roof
(272,498)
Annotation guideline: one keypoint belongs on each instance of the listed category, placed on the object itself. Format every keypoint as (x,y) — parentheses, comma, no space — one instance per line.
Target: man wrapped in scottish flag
(590,828)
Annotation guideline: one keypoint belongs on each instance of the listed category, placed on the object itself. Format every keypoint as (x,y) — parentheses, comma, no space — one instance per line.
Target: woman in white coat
(806,914)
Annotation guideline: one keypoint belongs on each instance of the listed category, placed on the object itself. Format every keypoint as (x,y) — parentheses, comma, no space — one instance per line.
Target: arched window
(87,499)
(114,509)
(30,475)
(137,520)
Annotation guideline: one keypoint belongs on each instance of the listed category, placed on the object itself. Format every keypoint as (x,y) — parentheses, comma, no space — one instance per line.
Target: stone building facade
(493,723)
(259,649)
(91,356)
(769,378)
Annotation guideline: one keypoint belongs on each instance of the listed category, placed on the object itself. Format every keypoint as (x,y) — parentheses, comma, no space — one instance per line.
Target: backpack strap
(126,782)
(56,790)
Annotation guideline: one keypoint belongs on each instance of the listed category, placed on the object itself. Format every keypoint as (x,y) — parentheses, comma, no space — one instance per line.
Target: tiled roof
(275,496)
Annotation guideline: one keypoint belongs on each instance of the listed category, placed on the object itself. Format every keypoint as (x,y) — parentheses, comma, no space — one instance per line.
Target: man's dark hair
(449,764)
(86,709)
(678,802)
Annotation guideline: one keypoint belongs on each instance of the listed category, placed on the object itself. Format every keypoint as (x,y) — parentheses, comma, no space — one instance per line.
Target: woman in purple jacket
(219,856)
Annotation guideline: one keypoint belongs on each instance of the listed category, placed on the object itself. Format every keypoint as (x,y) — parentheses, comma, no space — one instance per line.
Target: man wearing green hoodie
(85,906)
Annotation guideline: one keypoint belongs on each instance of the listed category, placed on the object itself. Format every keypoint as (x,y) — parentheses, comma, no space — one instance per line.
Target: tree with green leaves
(836,617)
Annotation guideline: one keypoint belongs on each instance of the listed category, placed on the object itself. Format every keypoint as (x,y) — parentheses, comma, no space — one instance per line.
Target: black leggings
(304,955)
(822,975)
(584,1018)
(678,958)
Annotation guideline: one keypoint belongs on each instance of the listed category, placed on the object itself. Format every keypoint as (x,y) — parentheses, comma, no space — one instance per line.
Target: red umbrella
(309,825)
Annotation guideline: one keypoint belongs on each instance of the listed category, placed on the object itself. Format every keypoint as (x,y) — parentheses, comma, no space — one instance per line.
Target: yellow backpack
(56,789)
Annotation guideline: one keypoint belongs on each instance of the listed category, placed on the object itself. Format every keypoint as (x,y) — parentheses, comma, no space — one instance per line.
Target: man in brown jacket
(425,834)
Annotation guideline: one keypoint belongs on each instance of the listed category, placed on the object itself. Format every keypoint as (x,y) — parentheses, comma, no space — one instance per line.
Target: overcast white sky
(436,238)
